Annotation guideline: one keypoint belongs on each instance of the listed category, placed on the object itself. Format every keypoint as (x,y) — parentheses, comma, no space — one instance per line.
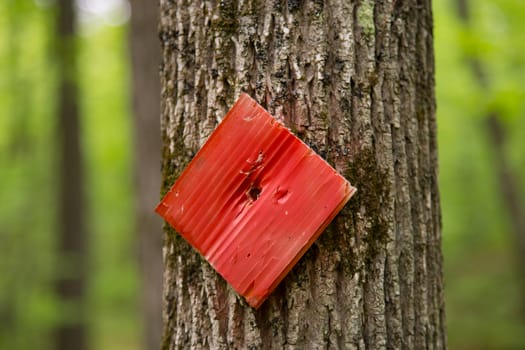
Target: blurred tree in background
(483,295)
(145,61)
(480,65)
(72,249)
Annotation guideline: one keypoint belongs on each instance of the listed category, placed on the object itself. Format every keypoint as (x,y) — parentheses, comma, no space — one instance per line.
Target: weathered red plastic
(253,200)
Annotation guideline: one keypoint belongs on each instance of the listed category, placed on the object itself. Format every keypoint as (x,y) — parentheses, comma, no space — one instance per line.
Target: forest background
(480,65)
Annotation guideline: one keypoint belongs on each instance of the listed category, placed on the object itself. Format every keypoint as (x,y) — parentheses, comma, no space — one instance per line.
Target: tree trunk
(145,57)
(71,281)
(354,80)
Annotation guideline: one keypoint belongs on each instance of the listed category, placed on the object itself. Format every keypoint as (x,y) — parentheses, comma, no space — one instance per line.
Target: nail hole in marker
(254,192)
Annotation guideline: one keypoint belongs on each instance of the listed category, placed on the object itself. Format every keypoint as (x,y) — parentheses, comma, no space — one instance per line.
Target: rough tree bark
(72,236)
(355,80)
(145,58)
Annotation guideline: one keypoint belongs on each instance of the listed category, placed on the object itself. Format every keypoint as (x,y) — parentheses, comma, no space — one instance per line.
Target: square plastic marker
(253,200)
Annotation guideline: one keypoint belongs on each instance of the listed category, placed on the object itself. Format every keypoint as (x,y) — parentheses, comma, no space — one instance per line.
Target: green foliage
(104,89)
(27,204)
(482,293)
(29,309)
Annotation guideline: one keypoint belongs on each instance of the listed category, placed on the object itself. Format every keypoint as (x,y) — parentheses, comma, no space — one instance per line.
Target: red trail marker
(253,200)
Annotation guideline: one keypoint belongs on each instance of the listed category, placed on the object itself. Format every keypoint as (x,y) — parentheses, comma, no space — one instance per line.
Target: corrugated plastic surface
(253,200)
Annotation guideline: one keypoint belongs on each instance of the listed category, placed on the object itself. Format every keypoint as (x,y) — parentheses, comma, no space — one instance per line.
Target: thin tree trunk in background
(145,57)
(510,190)
(355,80)
(507,178)
(71,280)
